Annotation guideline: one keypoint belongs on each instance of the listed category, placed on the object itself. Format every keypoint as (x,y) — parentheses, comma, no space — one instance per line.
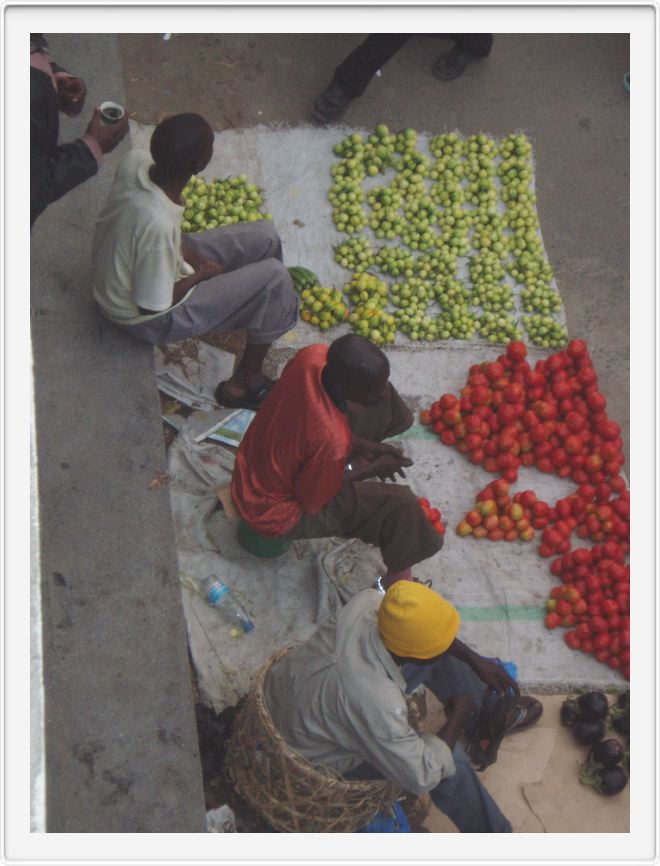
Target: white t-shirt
(136,251)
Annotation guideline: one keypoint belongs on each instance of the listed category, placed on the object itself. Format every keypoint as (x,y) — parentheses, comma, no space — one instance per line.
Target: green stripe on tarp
(500,613)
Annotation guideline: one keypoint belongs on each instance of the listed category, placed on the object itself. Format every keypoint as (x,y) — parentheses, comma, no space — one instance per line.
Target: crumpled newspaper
(220,820)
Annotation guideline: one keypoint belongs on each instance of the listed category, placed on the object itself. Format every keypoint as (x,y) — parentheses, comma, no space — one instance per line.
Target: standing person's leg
(467,48)
(355,72)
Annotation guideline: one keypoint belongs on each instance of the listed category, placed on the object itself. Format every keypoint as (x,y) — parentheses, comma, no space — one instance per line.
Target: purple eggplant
(569,713)
(588,732)
(593,706)
(611,780)
(607,753)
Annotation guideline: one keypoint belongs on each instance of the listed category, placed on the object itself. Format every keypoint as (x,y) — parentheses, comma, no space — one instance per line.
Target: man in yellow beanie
(340,699)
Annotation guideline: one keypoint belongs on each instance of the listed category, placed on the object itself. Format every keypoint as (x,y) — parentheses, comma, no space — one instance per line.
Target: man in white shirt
(162,286)
(339,699)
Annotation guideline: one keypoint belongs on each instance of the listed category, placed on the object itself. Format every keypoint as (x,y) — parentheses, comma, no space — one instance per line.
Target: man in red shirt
(316,438)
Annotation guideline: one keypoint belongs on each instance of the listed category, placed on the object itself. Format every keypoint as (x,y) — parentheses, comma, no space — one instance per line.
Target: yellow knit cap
(414,621)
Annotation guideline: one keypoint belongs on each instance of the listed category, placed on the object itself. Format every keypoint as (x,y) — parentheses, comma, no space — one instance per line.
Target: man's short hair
(357,362)
(179,141)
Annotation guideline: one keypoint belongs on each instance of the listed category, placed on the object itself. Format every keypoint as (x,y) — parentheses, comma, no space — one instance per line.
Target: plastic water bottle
(219,595)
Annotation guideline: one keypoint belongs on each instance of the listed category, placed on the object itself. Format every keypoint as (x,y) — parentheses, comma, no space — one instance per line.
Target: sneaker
(452,64)
(331,105)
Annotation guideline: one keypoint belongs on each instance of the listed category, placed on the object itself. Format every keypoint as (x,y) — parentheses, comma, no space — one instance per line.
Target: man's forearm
(463,653)
(183,286)
(360,473)
(180,289)
(189,252)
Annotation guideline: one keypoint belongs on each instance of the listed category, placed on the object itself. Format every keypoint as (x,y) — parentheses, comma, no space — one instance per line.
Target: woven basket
(286,790)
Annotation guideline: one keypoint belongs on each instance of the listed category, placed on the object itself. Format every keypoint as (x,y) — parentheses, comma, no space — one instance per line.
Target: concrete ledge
(120,734)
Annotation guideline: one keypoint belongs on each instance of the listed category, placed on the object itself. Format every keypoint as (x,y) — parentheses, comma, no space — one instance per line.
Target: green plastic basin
(259,545)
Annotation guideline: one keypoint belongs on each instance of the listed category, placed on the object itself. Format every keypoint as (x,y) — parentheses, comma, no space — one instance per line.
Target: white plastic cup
(111,112)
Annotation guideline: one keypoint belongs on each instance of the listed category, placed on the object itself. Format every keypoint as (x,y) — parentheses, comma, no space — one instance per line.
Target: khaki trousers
(383,514)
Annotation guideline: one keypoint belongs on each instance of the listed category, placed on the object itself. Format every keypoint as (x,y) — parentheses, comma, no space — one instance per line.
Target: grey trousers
(255,293)
(462,797)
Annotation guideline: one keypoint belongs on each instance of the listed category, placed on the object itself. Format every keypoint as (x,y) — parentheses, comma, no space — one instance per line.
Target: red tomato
(576,349)
(559,457)
(448,401)
(535,379)
(609,430)
(480,395)
(587,376)
(583,631)
(596,402)
(506,414)
(545,410)
(618,485)
(516,351)
(598,624)
(514,392)
(528,498)
(572,640)
(556,362)
(575,422)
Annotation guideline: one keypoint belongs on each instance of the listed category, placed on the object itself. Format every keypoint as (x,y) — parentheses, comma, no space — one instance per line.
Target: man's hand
(371,450)
(207,268)
(71,92)
(107,136)
(389,466)
(494,676)
(490,673)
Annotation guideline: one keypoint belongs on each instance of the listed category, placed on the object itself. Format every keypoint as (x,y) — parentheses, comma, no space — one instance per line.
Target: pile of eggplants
(587,716)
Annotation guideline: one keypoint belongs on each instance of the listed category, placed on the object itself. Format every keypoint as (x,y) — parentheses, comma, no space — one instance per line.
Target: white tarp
(500,588)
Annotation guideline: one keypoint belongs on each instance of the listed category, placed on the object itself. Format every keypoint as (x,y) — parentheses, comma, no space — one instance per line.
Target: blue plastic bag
(388,823)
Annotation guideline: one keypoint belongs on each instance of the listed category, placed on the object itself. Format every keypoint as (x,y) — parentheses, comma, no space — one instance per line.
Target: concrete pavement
(121,750)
